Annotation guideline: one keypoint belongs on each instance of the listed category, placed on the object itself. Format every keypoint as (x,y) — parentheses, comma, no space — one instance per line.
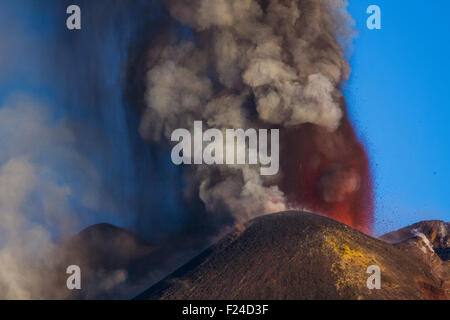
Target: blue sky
(399,98)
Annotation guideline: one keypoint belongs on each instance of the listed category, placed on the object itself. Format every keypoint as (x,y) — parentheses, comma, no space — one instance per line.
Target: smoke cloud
(262,64)
(35,200)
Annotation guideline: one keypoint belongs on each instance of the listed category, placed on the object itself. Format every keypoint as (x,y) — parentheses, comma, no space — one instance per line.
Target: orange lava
(329,174)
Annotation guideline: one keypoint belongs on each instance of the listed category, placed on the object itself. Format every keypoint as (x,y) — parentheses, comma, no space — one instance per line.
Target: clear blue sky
(399,97)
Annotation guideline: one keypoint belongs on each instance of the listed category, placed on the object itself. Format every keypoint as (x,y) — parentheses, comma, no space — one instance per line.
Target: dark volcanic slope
(106,255)
(297,255)
(114,263)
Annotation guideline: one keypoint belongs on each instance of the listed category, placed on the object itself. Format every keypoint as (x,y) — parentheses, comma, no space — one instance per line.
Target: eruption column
(262,64)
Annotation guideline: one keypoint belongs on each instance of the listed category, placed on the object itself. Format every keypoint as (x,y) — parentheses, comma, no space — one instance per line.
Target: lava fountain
(329,173)
(260,64)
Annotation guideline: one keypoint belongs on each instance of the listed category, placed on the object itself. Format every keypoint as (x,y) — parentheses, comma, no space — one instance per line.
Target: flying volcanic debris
(262,64)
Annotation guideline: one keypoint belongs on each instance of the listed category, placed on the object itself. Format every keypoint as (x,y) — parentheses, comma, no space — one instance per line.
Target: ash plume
(231,63)
(262,64)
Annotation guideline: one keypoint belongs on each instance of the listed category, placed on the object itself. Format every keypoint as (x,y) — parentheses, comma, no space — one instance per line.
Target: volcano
(300,255)
(114,263)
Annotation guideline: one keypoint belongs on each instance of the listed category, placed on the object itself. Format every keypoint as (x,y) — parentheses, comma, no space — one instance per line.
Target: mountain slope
(114,263)
(436,232)
(298,255)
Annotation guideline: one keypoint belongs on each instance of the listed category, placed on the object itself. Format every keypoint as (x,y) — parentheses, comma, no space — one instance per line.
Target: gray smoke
(250,64)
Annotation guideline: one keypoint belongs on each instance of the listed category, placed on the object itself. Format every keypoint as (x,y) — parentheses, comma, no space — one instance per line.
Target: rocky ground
(299,255)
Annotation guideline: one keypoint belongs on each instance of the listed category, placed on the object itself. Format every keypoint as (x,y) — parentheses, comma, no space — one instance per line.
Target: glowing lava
(330,174)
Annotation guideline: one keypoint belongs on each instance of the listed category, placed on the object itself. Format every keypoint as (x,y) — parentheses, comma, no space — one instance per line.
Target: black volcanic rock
(298,255)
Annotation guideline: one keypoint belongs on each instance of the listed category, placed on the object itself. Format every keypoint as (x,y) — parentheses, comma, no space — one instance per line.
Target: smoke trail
(70,163)
(262,64)
(36,202)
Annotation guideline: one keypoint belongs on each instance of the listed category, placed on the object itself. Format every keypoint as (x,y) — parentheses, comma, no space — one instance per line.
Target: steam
(62,165)
(250,64)
(424,239)
(36,200)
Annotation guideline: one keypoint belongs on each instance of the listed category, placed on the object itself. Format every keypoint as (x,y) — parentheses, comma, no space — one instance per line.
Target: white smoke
(284,58)
(35,202)
(424,239)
